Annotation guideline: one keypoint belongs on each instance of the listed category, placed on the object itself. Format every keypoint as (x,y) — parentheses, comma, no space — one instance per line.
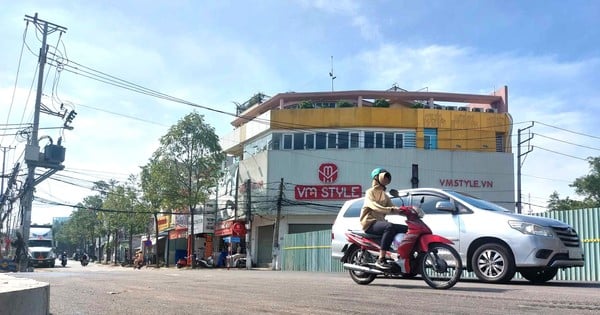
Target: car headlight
(52,255)
(530,228)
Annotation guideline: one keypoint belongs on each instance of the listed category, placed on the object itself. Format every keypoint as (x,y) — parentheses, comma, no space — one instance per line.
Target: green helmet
(377,171)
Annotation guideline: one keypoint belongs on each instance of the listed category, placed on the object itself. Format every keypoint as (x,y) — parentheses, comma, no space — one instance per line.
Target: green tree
(307,104)
(341,104)
(589,185)
(155,177)
(189,160)
(381,103)
(123,214)
(555,203)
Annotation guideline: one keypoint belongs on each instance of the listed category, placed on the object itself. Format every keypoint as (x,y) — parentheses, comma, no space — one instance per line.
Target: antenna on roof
(331,74)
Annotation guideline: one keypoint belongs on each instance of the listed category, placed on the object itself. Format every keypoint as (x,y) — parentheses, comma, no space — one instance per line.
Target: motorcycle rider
(372,217)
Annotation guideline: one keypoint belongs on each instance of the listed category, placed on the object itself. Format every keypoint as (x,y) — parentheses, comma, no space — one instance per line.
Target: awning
(230,227)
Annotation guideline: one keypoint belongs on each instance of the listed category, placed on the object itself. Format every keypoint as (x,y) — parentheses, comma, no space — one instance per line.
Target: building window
(388,140)
(310,141)
(332,140)
(369,139)
(410,139)
(299,141)
(499,142)
(354,140)
(430,137)
(379,140)
(399,140)
(321,142)
(275,141)
(287,142)
(343,140)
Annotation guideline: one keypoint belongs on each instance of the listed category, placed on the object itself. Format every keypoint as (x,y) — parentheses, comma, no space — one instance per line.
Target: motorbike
(205,263)
(84,260)
(199,262)
(63,260)
(432,256)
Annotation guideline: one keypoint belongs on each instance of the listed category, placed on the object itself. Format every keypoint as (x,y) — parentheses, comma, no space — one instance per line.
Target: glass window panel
(369,139)
(343,140)
(379,139)
(388,141)
(321,140)
(310,141)
(399,141)
(299,141)
(287,142)
(332,140)
(354,139)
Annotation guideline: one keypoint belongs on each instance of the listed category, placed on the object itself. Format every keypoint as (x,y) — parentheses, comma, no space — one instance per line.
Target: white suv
(492,242)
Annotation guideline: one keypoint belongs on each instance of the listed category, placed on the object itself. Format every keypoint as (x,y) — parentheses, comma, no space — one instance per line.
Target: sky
(216,53)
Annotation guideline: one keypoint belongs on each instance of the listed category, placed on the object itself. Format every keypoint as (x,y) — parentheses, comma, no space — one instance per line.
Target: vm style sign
(327,173)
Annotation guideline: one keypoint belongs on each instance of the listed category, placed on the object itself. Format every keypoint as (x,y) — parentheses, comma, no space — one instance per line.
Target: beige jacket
(377,205)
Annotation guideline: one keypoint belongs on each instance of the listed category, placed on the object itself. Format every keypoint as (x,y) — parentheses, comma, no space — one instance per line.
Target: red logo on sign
(328,172)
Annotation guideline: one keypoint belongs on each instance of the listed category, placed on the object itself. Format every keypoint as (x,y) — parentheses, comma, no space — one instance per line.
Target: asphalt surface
(101,289)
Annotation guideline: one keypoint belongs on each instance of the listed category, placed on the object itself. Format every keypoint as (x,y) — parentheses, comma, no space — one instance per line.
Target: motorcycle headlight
(531,229)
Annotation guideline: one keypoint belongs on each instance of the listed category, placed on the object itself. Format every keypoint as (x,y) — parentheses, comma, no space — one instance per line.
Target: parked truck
(41,246)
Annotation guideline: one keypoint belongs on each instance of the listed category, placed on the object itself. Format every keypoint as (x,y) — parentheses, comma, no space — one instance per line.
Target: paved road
(99,289)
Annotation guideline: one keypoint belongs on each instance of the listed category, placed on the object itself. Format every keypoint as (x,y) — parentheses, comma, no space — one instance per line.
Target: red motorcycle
(432,256)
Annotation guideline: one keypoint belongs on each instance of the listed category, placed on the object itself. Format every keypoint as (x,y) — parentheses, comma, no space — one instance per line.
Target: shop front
(231,237)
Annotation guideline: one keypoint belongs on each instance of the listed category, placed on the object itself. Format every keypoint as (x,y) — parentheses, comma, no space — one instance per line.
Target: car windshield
(479,203)
(40,243)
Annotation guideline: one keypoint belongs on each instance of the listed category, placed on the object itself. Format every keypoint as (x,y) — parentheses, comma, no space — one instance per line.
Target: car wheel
(492,262)
(538,275)
(359,257)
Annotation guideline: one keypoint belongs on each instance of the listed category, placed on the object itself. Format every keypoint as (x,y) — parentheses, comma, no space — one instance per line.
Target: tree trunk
(116,241)
(156,237)
(107,248)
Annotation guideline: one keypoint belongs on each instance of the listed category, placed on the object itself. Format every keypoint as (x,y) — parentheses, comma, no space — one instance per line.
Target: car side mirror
(445,206)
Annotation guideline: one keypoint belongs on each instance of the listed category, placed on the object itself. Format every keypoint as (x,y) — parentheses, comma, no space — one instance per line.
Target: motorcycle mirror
(394,193)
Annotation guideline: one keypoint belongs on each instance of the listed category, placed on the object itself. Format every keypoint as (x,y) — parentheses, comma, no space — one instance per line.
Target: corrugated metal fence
(309,252)
(587,224)
(312,251)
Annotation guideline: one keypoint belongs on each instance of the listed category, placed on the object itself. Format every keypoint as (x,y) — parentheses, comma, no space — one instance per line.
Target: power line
(567,142)
(567,130)
(560,153)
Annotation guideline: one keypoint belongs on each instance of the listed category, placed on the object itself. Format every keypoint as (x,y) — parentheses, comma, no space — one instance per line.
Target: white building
(325,144)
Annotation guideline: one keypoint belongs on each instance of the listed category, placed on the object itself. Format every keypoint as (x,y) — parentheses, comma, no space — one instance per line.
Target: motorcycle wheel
(359,257)
(441,266)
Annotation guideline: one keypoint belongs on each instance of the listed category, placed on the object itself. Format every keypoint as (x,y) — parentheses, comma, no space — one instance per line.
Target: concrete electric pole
(32,150)
(276,251)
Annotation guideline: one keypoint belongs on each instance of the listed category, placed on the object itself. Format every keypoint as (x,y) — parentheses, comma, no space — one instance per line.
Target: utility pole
(276,228)
(519,154)
(32,152)
(248,223)
(4,149)
(331,75)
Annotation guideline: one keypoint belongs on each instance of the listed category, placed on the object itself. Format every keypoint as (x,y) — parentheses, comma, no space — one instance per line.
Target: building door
(264,253)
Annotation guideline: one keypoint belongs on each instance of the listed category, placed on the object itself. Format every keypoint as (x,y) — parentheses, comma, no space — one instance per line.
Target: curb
(23,296)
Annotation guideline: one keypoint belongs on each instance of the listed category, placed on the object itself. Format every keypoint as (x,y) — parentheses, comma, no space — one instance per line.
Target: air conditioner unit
(476,109)
(430,102)
(463,109)
(491,110)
